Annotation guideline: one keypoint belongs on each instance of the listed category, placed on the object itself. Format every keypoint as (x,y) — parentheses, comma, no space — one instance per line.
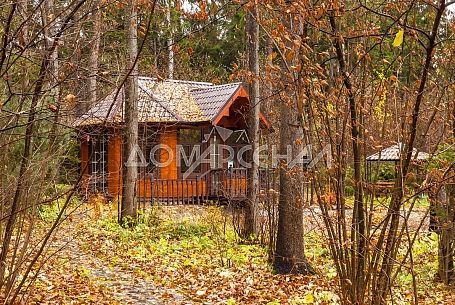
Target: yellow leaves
(316,296)
(97,201)
(187,263)
(70,100)
(142,30)
(272,56)
(398,41)
(382,91)
(181,253)
(309,298)
(330,108)
(230,301)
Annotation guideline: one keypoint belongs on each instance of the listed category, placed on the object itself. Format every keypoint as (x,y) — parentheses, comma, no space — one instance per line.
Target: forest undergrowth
(192,255)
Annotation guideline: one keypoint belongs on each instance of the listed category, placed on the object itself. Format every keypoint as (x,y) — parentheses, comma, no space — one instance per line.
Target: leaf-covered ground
(190,255)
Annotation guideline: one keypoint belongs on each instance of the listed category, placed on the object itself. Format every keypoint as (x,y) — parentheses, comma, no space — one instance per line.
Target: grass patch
(49,212)
(420,202)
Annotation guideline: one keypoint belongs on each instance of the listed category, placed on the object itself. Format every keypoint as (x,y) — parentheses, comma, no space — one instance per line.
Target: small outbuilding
(381,167)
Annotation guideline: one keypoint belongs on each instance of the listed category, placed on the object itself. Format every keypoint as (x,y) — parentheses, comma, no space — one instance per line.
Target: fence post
(197,190)
(151,189)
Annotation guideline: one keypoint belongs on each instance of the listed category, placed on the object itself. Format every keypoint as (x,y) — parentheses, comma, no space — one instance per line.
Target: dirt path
(117,284)
(123,285)
(418,219)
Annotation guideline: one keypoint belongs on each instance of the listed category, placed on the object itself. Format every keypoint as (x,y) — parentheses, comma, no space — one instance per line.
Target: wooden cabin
(176,118)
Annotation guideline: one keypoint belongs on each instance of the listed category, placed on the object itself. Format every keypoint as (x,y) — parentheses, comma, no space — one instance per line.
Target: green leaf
(398,41)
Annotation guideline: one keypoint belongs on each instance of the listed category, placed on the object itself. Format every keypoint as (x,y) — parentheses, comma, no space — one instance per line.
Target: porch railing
(177,191)
(228,183)
(216,185)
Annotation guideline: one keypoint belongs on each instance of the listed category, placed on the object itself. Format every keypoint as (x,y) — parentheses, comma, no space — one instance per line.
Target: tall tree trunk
(50,28)
(253,173)
(129,209)
(50,31)
(80,105)
(445,217)
(289,250)
(170,40)
(94,54)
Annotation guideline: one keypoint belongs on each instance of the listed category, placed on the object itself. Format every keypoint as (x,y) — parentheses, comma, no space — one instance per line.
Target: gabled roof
(167,101)
(394,152)
(212,100)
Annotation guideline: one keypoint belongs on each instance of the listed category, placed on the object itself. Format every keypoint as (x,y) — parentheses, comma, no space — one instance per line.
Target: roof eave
(239,92)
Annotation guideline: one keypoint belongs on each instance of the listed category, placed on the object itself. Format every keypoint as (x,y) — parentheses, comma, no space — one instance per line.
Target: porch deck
(217,186)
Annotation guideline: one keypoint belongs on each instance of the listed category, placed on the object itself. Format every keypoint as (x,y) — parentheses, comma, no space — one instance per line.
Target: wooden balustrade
(216,185)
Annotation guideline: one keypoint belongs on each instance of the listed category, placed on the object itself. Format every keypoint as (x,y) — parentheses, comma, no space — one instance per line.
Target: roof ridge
(179,81)
(215,87)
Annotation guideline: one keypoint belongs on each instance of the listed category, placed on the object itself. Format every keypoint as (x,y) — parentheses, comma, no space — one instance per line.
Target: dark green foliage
(444,156)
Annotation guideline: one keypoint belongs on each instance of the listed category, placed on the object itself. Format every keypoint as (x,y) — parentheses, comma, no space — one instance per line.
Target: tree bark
(170,40)
(445,218)
(289,250)
(128,208)
(50,31)
(253,173)
(94,54)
